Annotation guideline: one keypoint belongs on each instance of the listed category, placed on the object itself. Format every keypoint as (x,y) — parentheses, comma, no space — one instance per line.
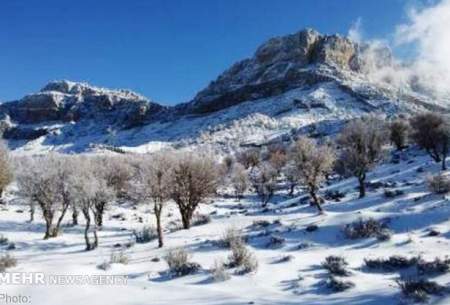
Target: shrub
(338,285)
(394,262)
(336,265)
(364,229)
(119,257)
(437,266)
(7,261)
(439,184)
(242,257)
(276,241)
(399,132)
(231,236)
(3,240)
(147,234)
(219,273)
(178,261)
(200,219)
(284,259)
(419,289)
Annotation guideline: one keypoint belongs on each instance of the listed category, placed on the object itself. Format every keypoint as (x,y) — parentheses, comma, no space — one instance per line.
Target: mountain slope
(300,83)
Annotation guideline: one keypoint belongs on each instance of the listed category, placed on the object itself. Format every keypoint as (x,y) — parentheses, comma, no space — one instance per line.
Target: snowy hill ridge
(300,83)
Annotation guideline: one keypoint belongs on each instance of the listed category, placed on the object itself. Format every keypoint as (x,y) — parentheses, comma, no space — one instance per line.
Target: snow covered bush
(336,265)
(242,258)
(231,236)
(362,147)
(431,131)
(338,285)
(178,261)
(119,257)
(312,164)
(437,266)
(364,229)
(193,179)
(145,235)
(200,219)
(7,261)
(439,184)
(219,272)
(6,173)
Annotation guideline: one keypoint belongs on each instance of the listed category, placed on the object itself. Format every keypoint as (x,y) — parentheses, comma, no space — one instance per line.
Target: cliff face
(66,101)
(278,65)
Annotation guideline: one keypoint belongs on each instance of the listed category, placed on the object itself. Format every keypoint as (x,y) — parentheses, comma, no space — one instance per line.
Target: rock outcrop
(66,101)
(280,64)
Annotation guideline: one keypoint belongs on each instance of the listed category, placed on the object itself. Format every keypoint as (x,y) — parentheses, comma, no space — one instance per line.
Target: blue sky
(166,50)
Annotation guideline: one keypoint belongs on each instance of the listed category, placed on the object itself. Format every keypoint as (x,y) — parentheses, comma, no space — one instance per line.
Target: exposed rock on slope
(67,101)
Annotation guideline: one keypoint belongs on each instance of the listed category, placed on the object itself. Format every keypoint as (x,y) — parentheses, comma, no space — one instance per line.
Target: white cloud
(355,31)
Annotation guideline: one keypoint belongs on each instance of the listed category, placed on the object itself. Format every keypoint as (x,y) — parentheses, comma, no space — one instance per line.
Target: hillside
(300,83)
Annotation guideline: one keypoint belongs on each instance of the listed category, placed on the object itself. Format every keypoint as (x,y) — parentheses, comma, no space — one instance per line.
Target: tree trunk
(291,190)
(86,233)
(58,223)
(362,185)
(95,237)
(316,201)
(159,229)
(32,210)
(186,219)
(74,217)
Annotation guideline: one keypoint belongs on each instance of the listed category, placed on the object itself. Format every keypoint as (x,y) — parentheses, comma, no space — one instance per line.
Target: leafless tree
(239,180)
(193,179)
(362,146)
(312,163)
(399,132)
(6,174)
(264,182)
(46,182)
(278,160)
(89,191)
(153,185)
(431,131)
(116,170)
(291,175)
(249,158)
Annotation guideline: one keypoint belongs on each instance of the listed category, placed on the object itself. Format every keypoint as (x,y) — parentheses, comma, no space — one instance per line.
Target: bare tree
(239,180)
(6,174)
(193,179)
(249,158)
(431,131)
(312,164)
(153,185)
(45,181)
(399,132)
(291,174)
(116,170)
(278,160)
(89,191)
(361,143)
(264,182)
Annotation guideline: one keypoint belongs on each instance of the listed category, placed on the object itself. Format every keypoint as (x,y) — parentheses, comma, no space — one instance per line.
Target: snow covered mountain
(300,83)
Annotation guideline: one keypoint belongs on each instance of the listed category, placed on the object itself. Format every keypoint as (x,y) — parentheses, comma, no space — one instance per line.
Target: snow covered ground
(301,280)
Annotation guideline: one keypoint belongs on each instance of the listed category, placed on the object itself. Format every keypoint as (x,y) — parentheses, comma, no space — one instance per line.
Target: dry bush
(392,263)
(312,163)
(337,285)
(437,266)
(193,179)
(242,258)
(7,261)
(239,180)
(419,289)
(399,132)
(361,142)
(231,236)
(200,219)
(219,272)
(145,235)
(364,229)
(336,265)
(278,160)
(178,261)
(439,184)
(431,131)
(119,257)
